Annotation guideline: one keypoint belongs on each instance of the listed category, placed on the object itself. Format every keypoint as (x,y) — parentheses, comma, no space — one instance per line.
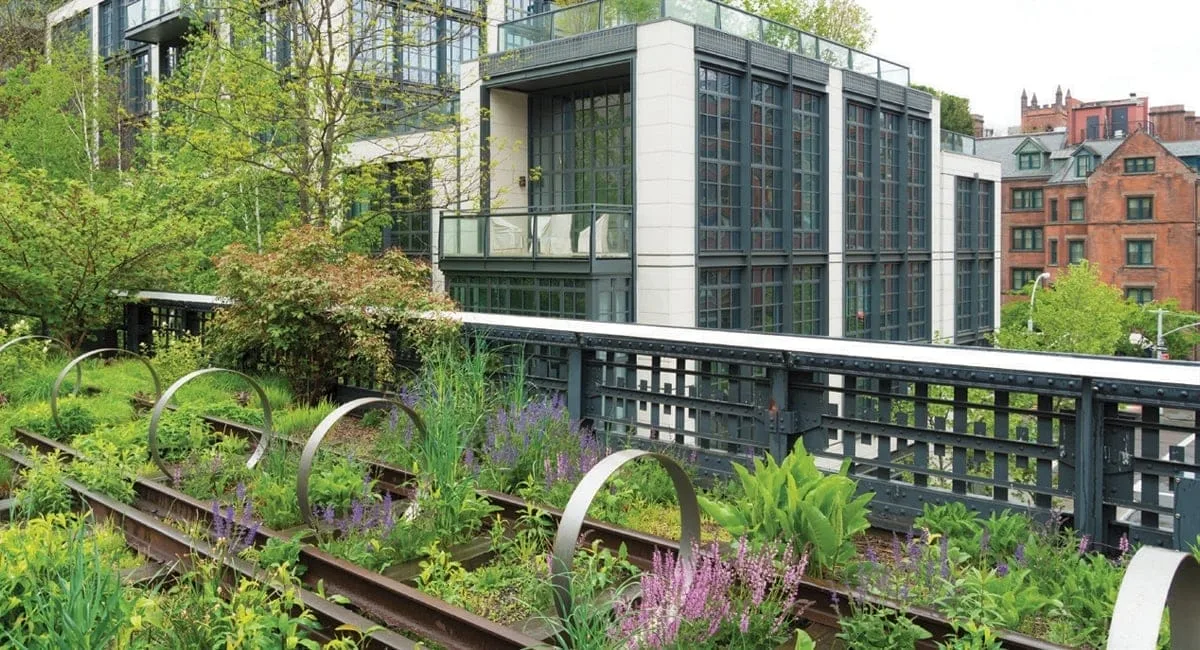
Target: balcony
(958,143)
(605,14)
(155,21)
(581,239)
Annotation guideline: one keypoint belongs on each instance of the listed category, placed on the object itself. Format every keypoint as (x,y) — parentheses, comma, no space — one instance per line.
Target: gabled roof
(1003,150)
(1183,147)
(1066,173)
(1085,148)
(1029,144)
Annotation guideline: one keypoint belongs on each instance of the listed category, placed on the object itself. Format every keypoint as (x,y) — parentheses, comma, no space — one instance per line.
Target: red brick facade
(1105,229)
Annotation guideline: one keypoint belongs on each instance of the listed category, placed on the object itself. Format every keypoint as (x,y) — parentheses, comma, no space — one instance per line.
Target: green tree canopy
(956,111)
(844,21)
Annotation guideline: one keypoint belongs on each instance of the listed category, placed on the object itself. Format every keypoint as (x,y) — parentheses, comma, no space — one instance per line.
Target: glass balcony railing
(141,12)
(605,14)
(958,143)
(586,232)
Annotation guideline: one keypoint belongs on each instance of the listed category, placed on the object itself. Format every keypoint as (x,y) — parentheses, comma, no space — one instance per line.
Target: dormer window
(1084,164)
(1029,160)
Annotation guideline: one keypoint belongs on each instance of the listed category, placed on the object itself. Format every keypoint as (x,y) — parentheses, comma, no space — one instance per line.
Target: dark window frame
(1031,199)
(1029,160)
(1140,165)
(1071,214)
(1072,258)
(1139,208)
(1139,253)
(1140,295)
(1026,238)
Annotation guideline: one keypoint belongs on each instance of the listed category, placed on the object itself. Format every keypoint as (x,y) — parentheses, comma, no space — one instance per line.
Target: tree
(65,248)
(956,111)
(1144,321)
(23,30)
(844,21)
(318,313)
(282,117)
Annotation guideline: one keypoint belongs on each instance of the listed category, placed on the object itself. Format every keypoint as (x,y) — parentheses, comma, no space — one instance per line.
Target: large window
(1139,208)
(1027,239)
(807,306)
(1022,277)
(136,92)
(889,302)
(720,161)
(1139,252)
(580,140)
(859,308)
(521,295)
(1029,160)
(889,181)
(807,160)
(1084,164)
(1139,165)
(987,217)
(766,166)
(409,201)
(720,298)
(918,184)
(964,307)
(1140,295)
(1027,200)
(859,128)
(1075,209)
(766,299)
(973,254)
(918,301)
(1075,251)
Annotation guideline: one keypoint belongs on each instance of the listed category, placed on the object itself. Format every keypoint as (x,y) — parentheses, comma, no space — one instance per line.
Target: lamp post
(1033,297)
(1161,340)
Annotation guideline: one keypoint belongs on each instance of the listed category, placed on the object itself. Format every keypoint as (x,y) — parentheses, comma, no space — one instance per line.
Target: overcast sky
(988,50)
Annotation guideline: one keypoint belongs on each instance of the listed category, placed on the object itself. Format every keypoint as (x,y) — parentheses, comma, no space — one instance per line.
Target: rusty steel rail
(830,600)
(386,600)
(162,543)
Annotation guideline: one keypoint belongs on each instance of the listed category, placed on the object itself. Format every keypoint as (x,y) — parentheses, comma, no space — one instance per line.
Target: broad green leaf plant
(796,502)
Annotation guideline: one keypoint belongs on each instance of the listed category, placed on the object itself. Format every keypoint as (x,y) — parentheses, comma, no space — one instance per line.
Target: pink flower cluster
(681,603)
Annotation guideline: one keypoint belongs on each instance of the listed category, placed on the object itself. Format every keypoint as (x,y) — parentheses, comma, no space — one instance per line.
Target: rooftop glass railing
(141,12)
(958,143)
(567,233)
(605,14)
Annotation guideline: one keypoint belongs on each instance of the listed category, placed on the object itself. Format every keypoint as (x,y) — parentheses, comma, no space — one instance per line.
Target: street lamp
(1033,297)
(1160,341)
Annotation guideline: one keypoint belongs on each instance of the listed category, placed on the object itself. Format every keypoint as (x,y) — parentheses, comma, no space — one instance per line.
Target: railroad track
(830,600)
(172,549)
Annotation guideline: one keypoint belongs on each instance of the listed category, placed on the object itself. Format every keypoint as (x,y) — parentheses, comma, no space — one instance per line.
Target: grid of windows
(1075,251)
(889,181)
(521,295)
(986,297)
(1027,239)
(973,222)
(858,301)
(918,301)
(418,48)
(1075,209)
(463,46)
(1022,277)
(964,218)
(1027,200)
(409,187)
(987,217)
(1140,295)
(766,299)
(806,299)
(720,161)
(859,123)
(889,302)
(918,184)
(1139,252)
(766,166)
(1139,165)
(1029,160)
(1139,208)
(136,91)
(581,140)
(375,36)
(613,297)
(807,152)
(76,27)
(720,298)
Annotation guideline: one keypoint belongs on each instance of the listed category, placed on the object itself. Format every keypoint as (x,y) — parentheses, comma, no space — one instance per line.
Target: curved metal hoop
(33,337)
(581,499)
(264,440)
(79,377)
(1156,578)
(310,448)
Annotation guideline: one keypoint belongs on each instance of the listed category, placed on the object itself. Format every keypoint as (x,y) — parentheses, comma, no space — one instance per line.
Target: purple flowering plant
(234,527)
(747,601)
(533,442)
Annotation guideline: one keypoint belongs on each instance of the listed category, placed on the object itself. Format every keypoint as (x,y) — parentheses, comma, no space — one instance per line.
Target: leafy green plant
(175,356)
(793,501)
(879,628)
(971,636)
(994,598)
(277,553)
(337,481)
(42,489)
(106,474)
(6,475)
(951,520)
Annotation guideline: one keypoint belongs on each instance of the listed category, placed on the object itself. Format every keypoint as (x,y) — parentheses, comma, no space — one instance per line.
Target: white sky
(988,50)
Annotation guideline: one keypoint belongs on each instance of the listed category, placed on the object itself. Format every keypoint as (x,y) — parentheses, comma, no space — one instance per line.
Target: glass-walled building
(699,167)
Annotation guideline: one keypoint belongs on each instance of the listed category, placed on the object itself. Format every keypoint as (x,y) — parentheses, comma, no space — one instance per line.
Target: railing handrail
(721,7)
(541,210)
(982,360)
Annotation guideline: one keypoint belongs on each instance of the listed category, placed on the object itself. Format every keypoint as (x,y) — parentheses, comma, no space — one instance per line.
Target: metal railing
(958,143)
(605,14)
(141,12)
(1108,441)
(1109,131)
(568,232)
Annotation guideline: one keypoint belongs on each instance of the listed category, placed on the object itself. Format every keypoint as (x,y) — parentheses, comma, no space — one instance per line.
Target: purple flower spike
(1002,569)
(1085,543)
(1019,555)
(1123,544)
(241,492)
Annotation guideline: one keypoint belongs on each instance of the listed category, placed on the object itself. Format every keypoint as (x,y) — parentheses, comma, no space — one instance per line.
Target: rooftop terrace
(599,15)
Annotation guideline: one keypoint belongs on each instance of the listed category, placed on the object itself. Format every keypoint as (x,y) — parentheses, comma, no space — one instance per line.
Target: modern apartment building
(1127,204)
(687,163)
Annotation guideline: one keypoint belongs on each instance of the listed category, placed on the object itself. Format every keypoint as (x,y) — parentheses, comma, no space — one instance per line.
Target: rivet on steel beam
(1161,392)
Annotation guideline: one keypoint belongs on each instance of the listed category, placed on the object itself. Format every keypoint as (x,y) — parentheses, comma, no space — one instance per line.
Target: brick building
(1129,205)
(1112,118)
